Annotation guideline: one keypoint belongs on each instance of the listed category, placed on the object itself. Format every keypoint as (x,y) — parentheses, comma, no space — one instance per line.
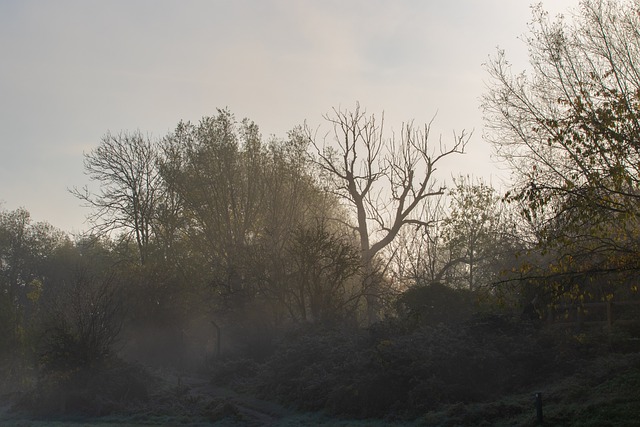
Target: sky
(70,71)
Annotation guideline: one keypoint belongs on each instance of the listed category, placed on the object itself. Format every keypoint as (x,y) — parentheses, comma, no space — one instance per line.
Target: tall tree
(125,168)
(214,168)
(25,248)
(474,230)
(570,128)
(385,180)
(242,202)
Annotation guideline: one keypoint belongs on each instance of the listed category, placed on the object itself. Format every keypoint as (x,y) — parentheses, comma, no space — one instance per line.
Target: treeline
(213,228)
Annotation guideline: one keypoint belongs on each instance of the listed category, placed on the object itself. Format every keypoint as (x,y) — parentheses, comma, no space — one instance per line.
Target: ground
(602,393)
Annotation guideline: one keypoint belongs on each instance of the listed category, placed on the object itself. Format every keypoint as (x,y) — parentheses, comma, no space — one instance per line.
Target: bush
(435,303)
(392,370)
(309,366)
(101,389)
(82,326)
(77,371)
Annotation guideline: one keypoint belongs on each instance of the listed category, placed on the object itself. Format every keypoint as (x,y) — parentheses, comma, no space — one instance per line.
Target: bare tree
(385,180)
(421,255)
(125,167)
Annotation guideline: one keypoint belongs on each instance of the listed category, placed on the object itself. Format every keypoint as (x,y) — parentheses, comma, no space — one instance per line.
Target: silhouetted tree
(125,168)
(385,180)
(242,201)
(25,250)
(569,129)
(478,231)
(322,265)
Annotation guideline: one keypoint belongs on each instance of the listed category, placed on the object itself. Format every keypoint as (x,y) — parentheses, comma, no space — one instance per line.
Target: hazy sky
(72,70)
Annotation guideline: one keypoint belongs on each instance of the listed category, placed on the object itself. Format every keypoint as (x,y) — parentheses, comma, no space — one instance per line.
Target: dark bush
(112,385)
(82,326)
(435,303)
(395,371)
(78,372)
(310,365)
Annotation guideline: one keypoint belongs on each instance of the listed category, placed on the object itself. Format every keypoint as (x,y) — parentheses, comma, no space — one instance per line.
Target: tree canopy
(568,127)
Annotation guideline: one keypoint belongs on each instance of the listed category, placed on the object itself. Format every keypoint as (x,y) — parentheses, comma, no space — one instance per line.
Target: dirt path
(225,403)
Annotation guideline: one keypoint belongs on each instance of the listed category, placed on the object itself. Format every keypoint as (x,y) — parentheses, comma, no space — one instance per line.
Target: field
(603,392)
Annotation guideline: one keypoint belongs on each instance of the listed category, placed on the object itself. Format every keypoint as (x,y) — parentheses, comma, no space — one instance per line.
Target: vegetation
(569,131)
(235,280)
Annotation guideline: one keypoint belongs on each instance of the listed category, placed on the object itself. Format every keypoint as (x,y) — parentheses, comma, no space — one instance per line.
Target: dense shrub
(112,385)
(78,372)
(435,303)
(81,326)
(395,370)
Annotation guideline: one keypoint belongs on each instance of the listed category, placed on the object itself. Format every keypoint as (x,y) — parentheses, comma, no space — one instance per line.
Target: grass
(603,391)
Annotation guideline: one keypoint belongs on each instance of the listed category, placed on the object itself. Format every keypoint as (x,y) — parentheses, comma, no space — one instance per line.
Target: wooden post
(539,416)
(218,338)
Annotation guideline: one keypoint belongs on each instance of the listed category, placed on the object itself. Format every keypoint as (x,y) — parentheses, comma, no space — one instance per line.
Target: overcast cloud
(72,70)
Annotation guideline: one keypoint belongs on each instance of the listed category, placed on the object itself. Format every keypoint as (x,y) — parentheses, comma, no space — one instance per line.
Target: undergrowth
(483,371)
